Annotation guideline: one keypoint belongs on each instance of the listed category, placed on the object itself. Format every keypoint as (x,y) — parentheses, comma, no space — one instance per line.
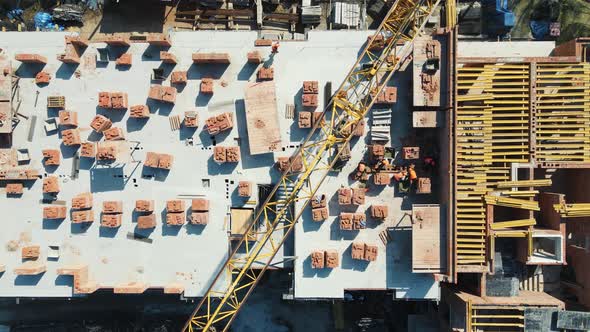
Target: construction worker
(275,47)
(362,172)
(401,178)
(383,164)
(412,172)
(401,175)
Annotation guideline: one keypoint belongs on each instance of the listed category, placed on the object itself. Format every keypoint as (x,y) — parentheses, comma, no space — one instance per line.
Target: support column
(533,113)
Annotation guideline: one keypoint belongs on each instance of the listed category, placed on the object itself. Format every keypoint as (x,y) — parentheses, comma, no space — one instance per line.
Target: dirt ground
(123,17)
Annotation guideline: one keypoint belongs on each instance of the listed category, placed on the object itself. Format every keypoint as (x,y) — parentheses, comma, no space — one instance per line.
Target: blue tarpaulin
(539,29)
(43,21)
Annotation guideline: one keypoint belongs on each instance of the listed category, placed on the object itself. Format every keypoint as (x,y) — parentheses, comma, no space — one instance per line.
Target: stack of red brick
(325,259)
(19,174)
(113,100)
(30,252)
(206,86)
(82,208)
(211,58)
(146,218)
(219,123)
(125,59)
(200,211)
(32,265)
(54,212)
(358,130)
(295,163)
(14,189)
(424,186)
(319,208)
(168,57)
(191,119)
(139,111)
(411,152)
(51,157)
(114,134)
(106,153)
(381,179)
(266,74)
(226,154)
(388,96)
(30,58)
(352,221)
(51,185)
(88,150)
(364,251)
(71,137)
(179,77)
(74,48)
(263,42)
(245,189)
(254,57)
(354,196)
(100,123)
(159,160)
(175,212)
(379,211)
(42,77)
(158,39)
(308,119)
(161,93)
(68,118)
(117,40)
(309,98)
(112,214)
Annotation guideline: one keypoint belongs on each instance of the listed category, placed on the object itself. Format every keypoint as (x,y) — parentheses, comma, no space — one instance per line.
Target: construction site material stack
(348,108)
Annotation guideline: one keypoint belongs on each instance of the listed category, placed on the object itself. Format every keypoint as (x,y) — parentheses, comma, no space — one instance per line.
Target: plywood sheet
(240,220)
(262,119)
(426,256)
(421,97)
(8,159)
(427,119)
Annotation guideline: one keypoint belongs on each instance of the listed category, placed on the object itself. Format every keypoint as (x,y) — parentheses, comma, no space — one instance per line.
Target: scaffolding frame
(536,112)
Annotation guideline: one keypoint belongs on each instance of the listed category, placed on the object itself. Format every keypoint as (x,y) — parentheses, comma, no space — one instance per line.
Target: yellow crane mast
(313,161)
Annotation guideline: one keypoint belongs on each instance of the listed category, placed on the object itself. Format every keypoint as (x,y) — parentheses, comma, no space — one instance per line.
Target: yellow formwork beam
(517,234)
(513,223)
(474,97)
(512,202)
(575,210)
(525,183)
(498,324)
(554,119)
(520,193)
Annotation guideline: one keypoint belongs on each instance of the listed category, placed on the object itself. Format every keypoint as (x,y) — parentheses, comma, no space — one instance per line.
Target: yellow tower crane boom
(276,217)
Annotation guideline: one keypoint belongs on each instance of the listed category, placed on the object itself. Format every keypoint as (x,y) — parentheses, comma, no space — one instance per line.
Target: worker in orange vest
(412,172)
